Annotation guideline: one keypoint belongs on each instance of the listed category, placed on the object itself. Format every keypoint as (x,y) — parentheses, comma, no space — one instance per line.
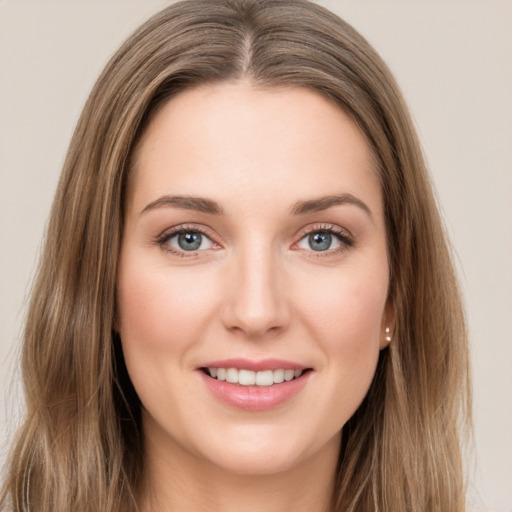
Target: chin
(258,452)
(262,463)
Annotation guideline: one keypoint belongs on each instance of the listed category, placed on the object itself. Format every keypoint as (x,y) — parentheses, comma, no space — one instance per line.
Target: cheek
(344,314)
(161,315)
(159,309)
(348,305)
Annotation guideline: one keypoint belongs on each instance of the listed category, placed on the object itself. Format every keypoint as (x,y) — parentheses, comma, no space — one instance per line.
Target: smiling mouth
(265,378)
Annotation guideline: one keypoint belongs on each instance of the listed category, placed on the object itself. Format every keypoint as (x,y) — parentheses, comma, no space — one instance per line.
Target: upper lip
(256,366)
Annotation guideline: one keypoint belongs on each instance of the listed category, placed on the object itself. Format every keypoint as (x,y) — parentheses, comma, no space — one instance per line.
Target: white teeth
(246,378)
(278,376)
(232,375)
(265,378)
(289,374)
(250,378)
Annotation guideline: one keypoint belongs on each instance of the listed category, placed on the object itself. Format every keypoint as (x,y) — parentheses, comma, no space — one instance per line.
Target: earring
(388,337)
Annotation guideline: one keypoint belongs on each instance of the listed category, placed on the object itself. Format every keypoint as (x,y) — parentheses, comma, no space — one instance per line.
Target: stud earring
(388,337)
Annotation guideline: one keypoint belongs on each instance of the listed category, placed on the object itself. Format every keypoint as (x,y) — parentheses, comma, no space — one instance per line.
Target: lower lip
(255,398)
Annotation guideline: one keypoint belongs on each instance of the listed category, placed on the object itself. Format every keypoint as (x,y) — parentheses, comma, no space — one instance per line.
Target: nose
(256,300)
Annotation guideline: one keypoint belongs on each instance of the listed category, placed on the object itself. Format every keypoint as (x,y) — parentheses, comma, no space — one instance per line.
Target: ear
(388,324)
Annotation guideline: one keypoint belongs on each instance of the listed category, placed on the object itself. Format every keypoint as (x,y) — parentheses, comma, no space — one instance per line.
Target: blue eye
(320,241)
(189,241)
(324,240)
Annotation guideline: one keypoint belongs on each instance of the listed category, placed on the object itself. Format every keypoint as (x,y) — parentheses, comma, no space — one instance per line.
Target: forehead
(231,140)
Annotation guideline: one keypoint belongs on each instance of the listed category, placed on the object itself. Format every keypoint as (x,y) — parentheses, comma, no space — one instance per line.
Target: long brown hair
(80,447)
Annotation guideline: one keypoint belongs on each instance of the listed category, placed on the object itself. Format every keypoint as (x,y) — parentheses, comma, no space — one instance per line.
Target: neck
(177,479)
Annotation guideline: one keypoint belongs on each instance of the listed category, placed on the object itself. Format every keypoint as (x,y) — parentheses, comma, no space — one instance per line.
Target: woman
(255,306)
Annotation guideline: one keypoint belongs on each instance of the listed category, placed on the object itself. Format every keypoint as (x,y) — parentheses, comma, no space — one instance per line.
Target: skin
(255,289)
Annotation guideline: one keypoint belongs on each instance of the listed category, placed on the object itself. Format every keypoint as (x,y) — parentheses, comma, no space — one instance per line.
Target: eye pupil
(320,241)
(190,241)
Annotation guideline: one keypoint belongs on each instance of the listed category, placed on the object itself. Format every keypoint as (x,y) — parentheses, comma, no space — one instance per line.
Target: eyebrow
(323,203)
(204,205)
(199,204)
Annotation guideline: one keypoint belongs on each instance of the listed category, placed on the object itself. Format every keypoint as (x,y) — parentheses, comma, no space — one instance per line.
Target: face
(252,289)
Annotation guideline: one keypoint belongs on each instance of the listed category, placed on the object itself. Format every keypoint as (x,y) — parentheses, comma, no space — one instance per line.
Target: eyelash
(346,240)
(167,235)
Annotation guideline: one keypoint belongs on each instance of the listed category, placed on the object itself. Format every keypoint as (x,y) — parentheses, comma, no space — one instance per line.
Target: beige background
(453,59)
